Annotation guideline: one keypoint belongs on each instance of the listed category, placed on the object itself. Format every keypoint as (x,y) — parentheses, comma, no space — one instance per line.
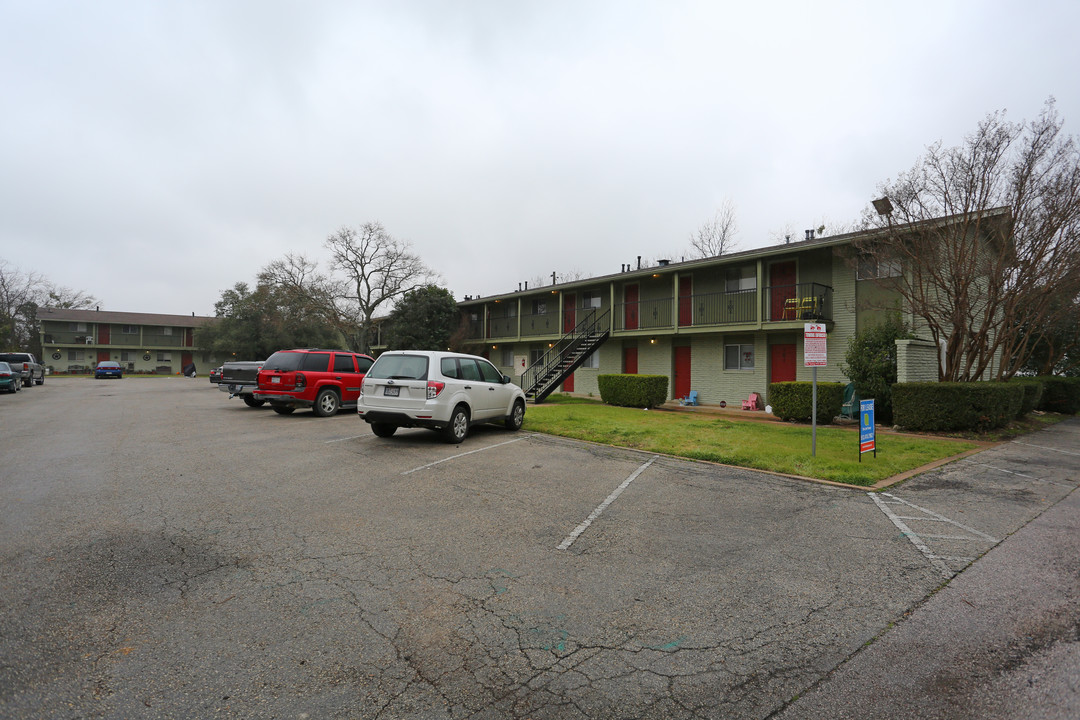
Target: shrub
(950,406)
(792,400)
(870,362)
(1061,394)
(643,391)
(1033,392)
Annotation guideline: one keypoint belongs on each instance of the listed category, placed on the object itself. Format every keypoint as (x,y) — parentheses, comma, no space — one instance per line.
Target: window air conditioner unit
(89,339)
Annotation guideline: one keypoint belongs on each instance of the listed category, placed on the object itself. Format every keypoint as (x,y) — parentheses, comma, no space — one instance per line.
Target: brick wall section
(916,361)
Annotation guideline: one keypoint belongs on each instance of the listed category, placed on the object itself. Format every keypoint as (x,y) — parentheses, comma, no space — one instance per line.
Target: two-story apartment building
(723,326)
(76,340)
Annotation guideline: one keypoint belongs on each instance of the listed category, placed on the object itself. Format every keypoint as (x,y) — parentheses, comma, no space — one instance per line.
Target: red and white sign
(814,345)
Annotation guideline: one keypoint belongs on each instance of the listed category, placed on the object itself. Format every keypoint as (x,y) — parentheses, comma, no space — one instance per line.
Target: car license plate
(275,379)
(391,391)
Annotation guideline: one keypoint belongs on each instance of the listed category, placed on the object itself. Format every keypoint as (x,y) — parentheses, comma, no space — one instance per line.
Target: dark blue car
(108,369)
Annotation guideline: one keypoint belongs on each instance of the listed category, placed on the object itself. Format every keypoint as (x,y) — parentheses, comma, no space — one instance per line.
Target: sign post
(815,351)
(867,433)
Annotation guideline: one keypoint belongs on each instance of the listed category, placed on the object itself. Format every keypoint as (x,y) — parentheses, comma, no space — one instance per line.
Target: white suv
(437,390)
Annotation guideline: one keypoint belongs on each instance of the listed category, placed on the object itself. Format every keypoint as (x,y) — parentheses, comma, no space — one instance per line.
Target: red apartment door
(103,355)
(682,371)
(630,298)
(782,284)
(104,331)
(686,301)
(782,363)
(569,313)
(568,384)
(629,360)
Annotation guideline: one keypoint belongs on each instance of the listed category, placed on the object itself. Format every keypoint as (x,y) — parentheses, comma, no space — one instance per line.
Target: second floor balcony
(791,304)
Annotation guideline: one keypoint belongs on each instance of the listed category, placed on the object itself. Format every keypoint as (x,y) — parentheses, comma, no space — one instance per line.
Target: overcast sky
(153,154)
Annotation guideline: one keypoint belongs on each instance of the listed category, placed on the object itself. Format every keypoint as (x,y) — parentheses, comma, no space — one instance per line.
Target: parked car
(323,380)
(32,372)
(215,375)
(10,378)
(108,369)
(241,378)
(442,391)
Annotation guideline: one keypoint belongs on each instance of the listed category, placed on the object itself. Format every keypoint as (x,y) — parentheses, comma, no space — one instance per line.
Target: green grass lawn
(763,446)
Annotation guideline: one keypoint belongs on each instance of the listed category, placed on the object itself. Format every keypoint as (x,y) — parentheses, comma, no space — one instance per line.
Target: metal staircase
(565,356)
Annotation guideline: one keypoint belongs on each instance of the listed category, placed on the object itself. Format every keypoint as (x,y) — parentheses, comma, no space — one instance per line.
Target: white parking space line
(1043,447)
(602,506)
(913,537)
(972,462)
(942,518)
(461,455)
(354,437)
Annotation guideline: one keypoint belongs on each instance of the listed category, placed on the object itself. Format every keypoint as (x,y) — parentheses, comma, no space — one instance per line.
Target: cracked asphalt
(168,552)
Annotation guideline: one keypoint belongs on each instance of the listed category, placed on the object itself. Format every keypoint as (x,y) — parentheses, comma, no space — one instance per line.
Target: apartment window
(873,268)
(507,357)
(127,356)
(738,357)
(539,307)
(164,357)
(76,355)
(741,278)
(166,331)
(593,361)
(129,329)
(590,299)
(77,327)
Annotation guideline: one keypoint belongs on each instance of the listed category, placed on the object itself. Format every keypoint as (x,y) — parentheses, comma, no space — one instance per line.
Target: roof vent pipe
(638,262)
(526,284)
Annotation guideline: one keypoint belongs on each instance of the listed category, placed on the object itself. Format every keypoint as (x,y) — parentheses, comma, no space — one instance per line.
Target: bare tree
(368,270)
(21,294)
(982,238)
(717,236)
(372,269)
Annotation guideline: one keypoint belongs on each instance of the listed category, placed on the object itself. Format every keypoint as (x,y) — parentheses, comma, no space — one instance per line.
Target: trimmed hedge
(1033,392)
(643,391)
(950,406)
(792,400)
(1060,394)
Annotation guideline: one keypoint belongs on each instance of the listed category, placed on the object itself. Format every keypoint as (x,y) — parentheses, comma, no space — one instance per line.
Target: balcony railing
(785,303)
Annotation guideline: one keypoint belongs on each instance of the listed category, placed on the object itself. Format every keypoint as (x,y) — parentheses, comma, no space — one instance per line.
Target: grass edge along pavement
(770,446)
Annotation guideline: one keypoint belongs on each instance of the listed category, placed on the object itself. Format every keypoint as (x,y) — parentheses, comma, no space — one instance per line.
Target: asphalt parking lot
(169,552)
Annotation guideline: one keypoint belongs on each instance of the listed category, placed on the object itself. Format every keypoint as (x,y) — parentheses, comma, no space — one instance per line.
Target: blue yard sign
(867,435)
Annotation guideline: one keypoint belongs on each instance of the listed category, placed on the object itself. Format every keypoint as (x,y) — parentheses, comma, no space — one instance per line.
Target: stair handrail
(589,325)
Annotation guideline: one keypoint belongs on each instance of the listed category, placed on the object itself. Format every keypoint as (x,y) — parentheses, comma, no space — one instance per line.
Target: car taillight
(299,381)
(434,388)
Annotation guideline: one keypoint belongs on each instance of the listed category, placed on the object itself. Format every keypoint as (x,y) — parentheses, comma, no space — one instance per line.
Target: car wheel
(517,416)
(326,403)
(40,380)
(282,409)
(253,402)
(383,429)
(458,428)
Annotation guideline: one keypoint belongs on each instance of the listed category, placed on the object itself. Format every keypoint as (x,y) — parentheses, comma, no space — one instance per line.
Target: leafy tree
(983,239)
(1054,349)
(254,324)
(871,363)
(424,319)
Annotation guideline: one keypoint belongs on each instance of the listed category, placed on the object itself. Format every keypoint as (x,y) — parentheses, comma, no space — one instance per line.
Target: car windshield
(108,364)
(285,361)
(399,367)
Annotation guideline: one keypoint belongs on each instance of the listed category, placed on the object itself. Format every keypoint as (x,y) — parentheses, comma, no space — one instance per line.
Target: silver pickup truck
(32,372)
(240,378)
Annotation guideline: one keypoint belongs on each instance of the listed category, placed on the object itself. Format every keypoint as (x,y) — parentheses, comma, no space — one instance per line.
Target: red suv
(323,380)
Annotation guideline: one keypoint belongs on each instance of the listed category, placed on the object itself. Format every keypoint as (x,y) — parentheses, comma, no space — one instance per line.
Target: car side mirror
(505,379)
